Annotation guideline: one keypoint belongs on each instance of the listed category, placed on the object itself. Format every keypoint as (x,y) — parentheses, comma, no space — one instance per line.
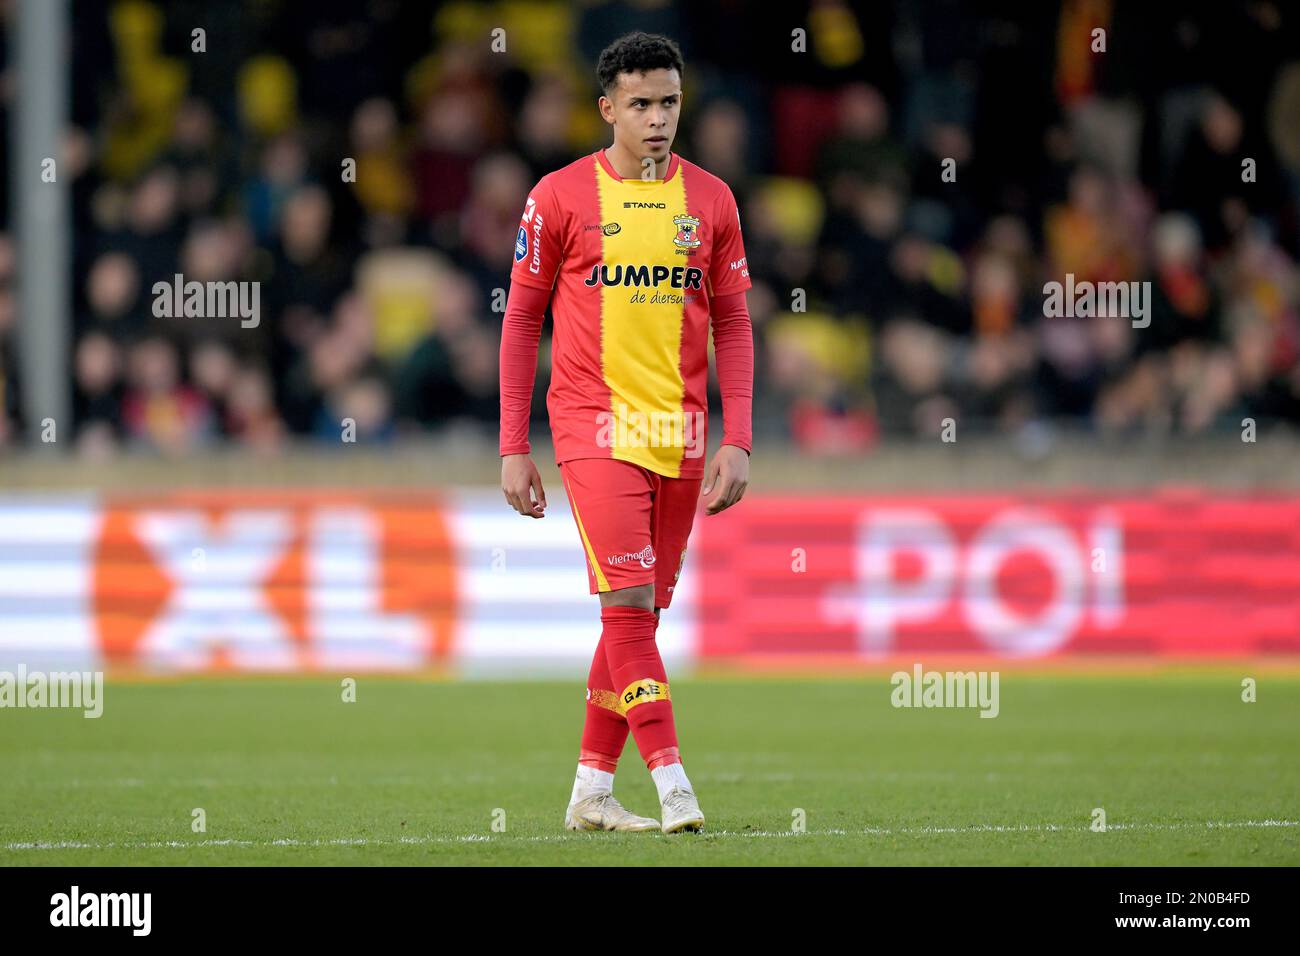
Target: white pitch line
(484,838)
(1055,827)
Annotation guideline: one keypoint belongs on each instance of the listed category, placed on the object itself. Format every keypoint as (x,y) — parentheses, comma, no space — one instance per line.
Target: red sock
(604,731)
(638,672)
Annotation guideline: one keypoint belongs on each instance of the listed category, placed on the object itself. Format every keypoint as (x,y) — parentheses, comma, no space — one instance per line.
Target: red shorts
(632,521)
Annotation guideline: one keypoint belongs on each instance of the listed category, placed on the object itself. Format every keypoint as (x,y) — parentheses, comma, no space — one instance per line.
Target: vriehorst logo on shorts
(646,556)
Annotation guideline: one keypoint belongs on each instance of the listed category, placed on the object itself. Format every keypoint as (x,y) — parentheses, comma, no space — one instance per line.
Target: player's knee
(642,596)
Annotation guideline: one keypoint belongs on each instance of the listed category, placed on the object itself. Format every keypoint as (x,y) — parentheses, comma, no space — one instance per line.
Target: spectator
(886,296)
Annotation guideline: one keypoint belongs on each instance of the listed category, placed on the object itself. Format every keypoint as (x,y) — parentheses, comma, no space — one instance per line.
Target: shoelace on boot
(678,799)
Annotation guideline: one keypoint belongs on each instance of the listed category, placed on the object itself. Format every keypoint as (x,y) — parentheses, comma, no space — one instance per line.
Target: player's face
(643,111)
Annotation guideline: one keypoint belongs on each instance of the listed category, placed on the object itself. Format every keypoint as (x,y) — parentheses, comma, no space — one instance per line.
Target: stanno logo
(645,205)
(102,909)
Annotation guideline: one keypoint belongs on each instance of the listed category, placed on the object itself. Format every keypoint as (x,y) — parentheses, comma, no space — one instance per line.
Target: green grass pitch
(416,772)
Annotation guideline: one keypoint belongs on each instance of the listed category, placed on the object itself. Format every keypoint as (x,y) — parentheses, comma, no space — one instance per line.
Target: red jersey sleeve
(728,270)
(520,333)
(733,348)
(539,243)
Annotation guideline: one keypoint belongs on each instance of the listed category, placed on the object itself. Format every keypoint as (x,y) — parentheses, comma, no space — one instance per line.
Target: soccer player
(634,249)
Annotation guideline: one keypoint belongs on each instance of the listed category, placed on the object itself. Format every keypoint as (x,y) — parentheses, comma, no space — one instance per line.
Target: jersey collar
(605,163)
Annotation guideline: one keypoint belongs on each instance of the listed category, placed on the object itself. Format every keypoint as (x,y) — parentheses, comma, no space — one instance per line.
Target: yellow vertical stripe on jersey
(641,342)
(602,583)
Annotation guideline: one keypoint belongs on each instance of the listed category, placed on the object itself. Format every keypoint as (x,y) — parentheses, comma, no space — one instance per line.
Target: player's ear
(606,107)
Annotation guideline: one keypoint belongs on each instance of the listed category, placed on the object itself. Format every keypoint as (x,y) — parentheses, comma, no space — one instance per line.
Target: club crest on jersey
(688,232)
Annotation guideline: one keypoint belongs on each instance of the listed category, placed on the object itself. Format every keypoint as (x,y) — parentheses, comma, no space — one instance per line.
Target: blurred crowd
(367,164)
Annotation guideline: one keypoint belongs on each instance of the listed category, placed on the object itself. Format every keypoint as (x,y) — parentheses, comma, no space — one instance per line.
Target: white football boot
(681,811)
(600,811)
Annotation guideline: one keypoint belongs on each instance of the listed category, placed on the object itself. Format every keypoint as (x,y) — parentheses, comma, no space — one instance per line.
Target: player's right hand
(522,485)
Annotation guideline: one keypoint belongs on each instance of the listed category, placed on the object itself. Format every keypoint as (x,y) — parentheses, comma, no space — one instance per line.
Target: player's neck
(628,165)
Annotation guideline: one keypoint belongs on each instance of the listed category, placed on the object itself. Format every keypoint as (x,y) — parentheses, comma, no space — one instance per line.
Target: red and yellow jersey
(632,265)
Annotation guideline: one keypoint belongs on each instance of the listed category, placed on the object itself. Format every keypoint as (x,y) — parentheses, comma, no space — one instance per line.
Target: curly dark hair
(637,53)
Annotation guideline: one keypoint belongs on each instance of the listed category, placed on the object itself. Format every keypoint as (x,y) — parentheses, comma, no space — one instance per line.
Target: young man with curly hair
(637,252)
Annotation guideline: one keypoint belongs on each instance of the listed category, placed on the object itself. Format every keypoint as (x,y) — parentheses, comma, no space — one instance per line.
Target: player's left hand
(730,473)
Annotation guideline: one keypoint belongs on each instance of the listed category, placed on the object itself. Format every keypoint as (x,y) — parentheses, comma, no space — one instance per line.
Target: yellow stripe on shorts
(602,583)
